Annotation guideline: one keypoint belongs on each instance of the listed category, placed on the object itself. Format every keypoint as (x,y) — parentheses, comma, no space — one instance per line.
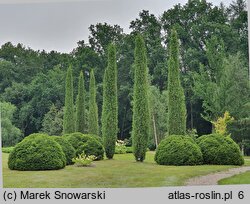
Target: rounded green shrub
(67,148)
(37,152)
(75,139)
(218,149)
(91,147)
(98,138)
(87,143)
(178,150)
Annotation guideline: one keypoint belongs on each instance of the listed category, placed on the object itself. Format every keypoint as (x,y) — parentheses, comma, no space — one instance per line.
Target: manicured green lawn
(243,178)
(122,171)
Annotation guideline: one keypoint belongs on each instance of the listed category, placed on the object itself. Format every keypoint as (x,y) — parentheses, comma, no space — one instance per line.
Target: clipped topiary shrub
(87,143)
(67,148)
(218,149)
(75,139)
(37,152)
(98,138)
(178,150)
(91,147)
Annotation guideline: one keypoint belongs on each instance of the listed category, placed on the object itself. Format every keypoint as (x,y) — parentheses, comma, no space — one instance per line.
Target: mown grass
(122,171)
(243,178)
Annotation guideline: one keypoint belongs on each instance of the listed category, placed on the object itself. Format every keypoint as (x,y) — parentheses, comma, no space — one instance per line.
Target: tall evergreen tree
(141,115)
(68,118)
(80,106)
(110,106)
(93,110)
(176,98)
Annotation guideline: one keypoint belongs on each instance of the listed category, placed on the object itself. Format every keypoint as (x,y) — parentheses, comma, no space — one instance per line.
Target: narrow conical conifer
(176,98)
(80,106)
(141,116)
(93,127)
(110,107)
(68,117)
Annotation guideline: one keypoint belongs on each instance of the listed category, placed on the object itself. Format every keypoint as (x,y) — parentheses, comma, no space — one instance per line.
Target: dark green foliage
(11,135)
(74,139)
(87,143)
(37,152)
(67,148)
(91,147)
(93,110)
(68,119)
(240,132)
(176,98)
(178,150)
(23,71)
(110,106)
(53,121)
(151,146)
(129,149)
(141,116)
(98,138)
(80,106)
(218,149)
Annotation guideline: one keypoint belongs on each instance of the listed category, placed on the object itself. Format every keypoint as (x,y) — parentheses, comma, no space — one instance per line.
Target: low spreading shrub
(83,160)
(120,147)
(178,150)
(37,152)
(151,146)
(67,148)
(129,149)
(218,149)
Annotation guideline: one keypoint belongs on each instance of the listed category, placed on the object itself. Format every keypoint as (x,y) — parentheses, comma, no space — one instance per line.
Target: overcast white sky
(60,24)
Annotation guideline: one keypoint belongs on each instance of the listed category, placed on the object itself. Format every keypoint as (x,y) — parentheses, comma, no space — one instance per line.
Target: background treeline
(214,72)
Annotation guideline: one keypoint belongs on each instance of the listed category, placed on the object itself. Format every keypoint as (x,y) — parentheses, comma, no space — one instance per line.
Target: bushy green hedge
(120,149)
(74,139)
(91,147)
(7,149)
(67,148)
(87,143)
(129,149)
(37,152)
(98,138)
(178,150)
(218,149)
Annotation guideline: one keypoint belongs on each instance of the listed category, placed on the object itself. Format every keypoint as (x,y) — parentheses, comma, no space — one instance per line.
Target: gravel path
(212,179)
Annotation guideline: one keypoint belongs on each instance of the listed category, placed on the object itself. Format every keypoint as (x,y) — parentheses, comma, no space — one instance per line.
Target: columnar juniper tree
(80,106)
(110,108)
(176,98)
(141,116)
(93,110)
(68,118)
